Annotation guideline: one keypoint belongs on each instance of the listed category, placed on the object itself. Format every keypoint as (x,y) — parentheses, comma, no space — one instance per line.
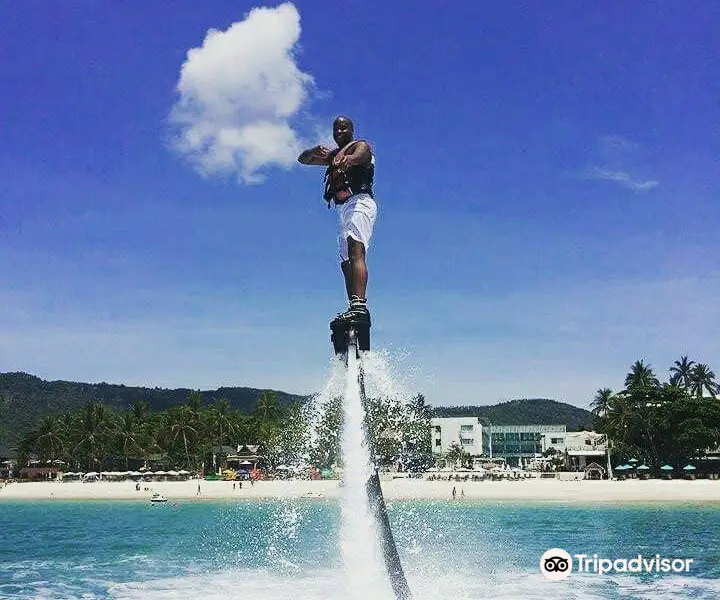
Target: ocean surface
(201,550)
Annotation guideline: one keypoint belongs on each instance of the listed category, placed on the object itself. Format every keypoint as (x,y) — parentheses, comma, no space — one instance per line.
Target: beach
(630,491)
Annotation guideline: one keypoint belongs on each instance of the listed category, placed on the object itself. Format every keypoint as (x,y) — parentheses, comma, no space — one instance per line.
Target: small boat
(158,498)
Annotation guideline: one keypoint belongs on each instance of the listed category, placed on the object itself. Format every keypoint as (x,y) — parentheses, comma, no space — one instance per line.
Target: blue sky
(547,181)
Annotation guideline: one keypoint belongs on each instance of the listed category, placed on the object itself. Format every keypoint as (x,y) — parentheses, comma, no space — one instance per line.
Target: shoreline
(591,492)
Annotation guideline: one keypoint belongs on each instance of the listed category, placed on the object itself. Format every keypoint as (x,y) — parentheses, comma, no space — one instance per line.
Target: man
(349,186)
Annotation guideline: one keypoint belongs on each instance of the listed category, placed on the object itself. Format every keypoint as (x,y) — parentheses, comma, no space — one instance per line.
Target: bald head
(343,130)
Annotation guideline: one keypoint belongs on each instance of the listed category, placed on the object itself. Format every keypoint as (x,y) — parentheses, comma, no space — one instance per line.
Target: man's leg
(358,269)
(346,266)
(355,272)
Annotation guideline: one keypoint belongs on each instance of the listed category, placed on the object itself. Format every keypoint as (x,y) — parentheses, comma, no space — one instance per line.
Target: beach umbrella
(643,468)
(666,468)
(173,473)
(688,468)
(135,473)
(620,468)
(633,460)
(184,472)
(160,473)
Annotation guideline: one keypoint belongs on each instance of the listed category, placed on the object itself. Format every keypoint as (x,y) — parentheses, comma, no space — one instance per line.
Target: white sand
(619,492)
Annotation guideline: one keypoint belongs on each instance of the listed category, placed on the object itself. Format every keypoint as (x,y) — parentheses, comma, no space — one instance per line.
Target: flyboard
(351,337)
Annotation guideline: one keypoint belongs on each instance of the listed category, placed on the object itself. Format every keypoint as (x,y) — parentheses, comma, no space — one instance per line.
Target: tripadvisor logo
(557,564)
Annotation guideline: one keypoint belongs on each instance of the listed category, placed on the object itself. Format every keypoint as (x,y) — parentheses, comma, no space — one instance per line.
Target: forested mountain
(24,399)
(535,411)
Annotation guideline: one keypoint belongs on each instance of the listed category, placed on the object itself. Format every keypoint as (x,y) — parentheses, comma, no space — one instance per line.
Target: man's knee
(356,250)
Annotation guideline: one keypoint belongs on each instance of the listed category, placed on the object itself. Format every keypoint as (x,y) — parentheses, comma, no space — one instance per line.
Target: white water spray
(362,554)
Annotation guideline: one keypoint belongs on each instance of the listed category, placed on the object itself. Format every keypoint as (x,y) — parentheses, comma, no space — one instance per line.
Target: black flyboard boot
(340,326)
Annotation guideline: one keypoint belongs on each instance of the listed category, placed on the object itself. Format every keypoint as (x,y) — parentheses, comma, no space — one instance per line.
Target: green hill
(24,399)
(535,411)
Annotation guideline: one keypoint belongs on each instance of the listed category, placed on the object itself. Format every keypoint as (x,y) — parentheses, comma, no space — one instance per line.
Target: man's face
(342,132)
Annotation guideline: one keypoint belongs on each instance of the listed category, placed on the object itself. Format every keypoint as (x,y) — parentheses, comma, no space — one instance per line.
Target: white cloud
(617,159)
(623,178)
(240,95)
(614,143)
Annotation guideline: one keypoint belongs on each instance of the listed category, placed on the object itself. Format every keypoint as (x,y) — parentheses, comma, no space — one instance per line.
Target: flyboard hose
(375,496)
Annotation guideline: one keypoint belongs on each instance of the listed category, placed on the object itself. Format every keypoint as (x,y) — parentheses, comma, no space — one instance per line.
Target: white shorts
(357,219)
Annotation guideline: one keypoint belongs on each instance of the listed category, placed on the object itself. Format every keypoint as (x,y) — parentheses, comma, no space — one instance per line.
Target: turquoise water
(290,549)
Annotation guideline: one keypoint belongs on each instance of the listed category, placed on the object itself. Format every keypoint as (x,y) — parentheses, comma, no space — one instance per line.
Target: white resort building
(466,432)
(580,448)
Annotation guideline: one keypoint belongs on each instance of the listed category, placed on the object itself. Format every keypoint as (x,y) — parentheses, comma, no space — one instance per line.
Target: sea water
(293,549)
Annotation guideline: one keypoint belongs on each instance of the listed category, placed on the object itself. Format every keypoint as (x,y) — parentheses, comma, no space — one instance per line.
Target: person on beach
(349,177)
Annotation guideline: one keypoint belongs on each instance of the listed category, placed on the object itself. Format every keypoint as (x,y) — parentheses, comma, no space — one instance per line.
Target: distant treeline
(25,399)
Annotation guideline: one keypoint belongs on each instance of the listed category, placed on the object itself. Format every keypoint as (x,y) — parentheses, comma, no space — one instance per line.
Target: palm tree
(94,428)
(682,372)
(620,419)
(140,411)
(194,402)
(153,432)
(222,422)
(266,408)
(419,408)
(455,454)
(67,424)
(182,425)
(49,438)
(641,378)
(702,379)
(129,434)
(601,401)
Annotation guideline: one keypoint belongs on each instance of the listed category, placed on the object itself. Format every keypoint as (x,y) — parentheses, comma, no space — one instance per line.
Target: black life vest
(358,179)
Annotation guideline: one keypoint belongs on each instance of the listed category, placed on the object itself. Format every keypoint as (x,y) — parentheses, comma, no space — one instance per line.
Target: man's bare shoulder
(362,145)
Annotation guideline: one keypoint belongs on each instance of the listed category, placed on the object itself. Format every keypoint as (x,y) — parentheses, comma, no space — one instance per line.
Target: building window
(554,440)
(467,441)
(437,442)
(466,427)
(437,428)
